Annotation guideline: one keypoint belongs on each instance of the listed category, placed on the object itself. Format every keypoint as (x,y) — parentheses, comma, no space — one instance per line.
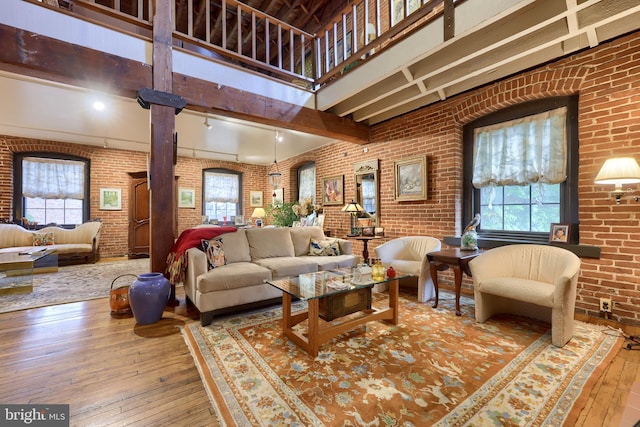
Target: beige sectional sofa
(252,256)
(78,245)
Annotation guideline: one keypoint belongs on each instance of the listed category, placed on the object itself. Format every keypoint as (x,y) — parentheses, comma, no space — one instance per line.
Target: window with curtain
(307,181)
(521,169)
(51,188)
(222,191)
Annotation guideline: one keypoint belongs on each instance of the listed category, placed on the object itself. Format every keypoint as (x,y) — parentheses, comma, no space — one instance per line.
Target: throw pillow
(324,247)
(214,251)
(43,239)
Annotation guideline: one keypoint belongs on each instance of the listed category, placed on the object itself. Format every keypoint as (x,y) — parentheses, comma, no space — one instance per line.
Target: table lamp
(353,209)
(258,214)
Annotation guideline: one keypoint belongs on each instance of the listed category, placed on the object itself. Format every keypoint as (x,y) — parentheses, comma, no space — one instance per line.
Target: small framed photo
(368,231)
(255,199)
(110,199)
(560,233)
(333,190)
(379,231)
(186,197)
(239,220)
(411,179)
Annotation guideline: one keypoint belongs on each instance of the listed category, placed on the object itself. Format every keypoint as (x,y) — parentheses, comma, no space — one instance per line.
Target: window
(221,194)
(521,170)
(51,189)
(307,181)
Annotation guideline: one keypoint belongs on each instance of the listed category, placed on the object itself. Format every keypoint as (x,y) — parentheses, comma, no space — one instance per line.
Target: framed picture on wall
(186,197)
(411,179)
(560,233)
(255,199)
(333,190)
(110,199)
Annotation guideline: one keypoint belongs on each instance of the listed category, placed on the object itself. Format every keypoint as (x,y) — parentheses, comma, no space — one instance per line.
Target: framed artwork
(560,233)
(110,199)
(333,190)
(238,220)
(277,196)
(411,179)
(255,199)
(186,197)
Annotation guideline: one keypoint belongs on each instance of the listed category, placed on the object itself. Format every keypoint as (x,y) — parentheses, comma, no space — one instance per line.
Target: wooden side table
(456,258)
(365,245)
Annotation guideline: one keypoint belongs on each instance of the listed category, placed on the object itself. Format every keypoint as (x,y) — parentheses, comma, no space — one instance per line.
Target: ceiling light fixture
(274,175)
(206,122)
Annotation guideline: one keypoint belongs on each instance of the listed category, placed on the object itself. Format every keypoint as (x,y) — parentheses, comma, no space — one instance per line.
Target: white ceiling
(493,39)
(52,111)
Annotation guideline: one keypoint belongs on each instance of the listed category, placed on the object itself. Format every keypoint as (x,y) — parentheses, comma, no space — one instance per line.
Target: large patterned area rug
(433,368)
(74,283)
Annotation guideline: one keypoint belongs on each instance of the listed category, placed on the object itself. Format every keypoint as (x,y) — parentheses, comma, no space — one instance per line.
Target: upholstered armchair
(409,254)
(537,281)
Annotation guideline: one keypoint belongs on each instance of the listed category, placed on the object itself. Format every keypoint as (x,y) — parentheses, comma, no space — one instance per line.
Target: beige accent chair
(409,255)
(537,281)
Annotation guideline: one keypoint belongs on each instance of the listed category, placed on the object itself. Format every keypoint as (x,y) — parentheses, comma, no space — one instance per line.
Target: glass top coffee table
(17,269)
(331,295)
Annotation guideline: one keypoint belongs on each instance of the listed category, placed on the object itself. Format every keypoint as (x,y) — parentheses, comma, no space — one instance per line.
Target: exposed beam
(34,55)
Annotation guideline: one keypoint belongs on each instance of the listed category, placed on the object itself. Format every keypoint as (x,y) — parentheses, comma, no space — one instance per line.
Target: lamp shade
(618,171)
(258,213)
(352,207)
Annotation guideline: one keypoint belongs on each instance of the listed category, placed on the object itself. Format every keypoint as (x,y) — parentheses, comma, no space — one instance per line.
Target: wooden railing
(231,30)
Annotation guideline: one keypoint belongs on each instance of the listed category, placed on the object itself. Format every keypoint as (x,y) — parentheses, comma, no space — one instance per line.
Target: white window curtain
(525,151)
(52,178)
(221,188)
(307,182)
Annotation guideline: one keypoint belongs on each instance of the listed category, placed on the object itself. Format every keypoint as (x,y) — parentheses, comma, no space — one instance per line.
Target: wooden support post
(449,20)
(162,136)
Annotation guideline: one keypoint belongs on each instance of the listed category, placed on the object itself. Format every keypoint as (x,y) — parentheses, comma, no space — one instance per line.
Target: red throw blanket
(189,238)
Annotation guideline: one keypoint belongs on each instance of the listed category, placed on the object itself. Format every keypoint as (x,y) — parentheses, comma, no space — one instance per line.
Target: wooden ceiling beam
(26,53)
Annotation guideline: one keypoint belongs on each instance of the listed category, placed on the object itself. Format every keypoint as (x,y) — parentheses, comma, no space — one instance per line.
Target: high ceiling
(492,40)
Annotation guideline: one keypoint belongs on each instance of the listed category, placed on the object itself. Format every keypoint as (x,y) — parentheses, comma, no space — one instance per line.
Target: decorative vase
(469,241)
(377,271)
(148,296)
(391,273)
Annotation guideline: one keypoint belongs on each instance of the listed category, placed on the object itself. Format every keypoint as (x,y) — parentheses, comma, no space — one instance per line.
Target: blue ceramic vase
(148,296)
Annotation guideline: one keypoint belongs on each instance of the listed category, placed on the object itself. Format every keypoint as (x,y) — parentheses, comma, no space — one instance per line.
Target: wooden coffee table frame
(320,331)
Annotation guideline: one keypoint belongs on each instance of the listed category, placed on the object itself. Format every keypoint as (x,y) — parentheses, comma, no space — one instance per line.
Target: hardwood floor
(112,372)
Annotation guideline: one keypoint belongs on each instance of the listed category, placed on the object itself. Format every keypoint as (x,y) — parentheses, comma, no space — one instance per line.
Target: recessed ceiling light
(99,105)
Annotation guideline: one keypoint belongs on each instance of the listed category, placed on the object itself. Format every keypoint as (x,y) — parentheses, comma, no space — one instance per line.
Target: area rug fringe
(254,376)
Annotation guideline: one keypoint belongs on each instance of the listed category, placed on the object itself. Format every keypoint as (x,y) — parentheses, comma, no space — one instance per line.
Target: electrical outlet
(605,305)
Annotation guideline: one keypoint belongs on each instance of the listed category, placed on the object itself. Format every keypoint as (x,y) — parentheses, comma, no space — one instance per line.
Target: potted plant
(282,214)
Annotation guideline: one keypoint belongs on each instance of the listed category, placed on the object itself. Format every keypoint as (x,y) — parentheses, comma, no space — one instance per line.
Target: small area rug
(74,283)
(433,368)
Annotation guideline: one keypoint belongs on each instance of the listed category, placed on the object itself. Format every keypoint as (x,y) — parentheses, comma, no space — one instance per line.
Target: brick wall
(607,79)
(110,169)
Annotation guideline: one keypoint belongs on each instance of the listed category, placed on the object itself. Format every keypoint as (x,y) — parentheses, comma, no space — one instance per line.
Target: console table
(456,258)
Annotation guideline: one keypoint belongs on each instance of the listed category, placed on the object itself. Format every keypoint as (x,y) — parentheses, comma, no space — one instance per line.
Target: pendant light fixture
(275,177)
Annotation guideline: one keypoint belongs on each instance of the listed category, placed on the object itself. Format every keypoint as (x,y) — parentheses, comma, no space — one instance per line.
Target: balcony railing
(233,31)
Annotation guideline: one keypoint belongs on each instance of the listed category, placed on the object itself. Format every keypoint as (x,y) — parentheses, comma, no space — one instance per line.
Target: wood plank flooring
(114,373)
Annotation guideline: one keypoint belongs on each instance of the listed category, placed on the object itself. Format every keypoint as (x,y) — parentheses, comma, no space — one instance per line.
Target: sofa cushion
(232,276)
(327,247)
(269,243)
(43,239)
(333,262)
(236,247)
(301,238)
(214,251)
(289,266)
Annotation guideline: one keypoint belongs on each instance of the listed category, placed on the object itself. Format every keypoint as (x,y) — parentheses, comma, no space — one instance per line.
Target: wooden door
(139,216)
